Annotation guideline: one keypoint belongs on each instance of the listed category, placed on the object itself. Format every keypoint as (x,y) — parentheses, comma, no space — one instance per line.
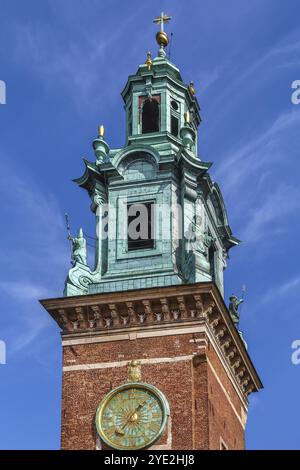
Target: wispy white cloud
(251,169)
(251,156)
(34,253)
(32,327)
(236,80)
(34,221)
(208,78)
(287,47)
(255,404)
(263,218)
(281,290)
(23,290)
(79,65)
(290,284)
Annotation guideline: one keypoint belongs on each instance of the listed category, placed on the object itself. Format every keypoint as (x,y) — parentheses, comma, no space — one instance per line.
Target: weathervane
(162,37)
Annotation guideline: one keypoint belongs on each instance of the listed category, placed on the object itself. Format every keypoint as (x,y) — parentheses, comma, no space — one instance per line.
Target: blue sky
(64,64)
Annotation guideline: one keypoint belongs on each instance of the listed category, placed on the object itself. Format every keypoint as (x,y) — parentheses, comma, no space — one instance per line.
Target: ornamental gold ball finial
(101,131)
(162,37)
(149,61)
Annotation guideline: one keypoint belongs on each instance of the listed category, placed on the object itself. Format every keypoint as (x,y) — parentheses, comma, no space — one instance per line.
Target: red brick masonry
(191,360)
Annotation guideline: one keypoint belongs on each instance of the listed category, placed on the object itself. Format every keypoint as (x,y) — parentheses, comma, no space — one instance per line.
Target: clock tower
(152,357)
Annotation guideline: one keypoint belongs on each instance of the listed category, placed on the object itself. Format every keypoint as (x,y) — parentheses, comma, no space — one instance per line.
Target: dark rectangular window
(174,126)
(140,226)
(212,262)
(130,120)
(150,116)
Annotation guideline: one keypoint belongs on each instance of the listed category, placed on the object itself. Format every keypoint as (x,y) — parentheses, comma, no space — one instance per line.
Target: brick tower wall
(206,409)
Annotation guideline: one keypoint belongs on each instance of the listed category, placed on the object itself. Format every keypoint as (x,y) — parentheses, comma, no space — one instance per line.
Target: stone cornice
(158,309)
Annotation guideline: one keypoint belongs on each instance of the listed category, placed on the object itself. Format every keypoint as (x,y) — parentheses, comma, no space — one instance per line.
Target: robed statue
(79,253)
(233,308)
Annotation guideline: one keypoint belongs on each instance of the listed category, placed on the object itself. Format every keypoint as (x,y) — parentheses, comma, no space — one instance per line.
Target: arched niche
(139,170)
(137,166)
(218,205)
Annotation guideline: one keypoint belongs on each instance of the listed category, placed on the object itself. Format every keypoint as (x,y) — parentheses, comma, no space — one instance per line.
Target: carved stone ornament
(144,310)
(134,371)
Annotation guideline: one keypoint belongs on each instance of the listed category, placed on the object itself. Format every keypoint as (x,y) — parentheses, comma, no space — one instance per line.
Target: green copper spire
(160,218)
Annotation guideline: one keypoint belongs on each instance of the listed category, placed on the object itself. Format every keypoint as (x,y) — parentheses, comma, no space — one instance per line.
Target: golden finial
(149,61)
(187,117)
(192,89)
(134,371)
(101,131)
(162,37)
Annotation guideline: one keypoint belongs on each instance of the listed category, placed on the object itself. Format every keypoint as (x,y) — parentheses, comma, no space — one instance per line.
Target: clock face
(132,416)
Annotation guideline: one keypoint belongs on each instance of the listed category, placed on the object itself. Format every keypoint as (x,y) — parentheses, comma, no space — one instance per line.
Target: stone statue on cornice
(233,308)
(79,251)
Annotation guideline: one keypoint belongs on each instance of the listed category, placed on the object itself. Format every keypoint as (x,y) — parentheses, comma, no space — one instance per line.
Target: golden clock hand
(140,406)
(132,417)
(119,431)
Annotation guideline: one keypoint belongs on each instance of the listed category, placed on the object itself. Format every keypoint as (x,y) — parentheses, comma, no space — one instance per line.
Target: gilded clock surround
(132,416)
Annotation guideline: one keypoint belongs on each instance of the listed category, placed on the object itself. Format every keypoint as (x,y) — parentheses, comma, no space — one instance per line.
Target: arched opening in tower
(150,116)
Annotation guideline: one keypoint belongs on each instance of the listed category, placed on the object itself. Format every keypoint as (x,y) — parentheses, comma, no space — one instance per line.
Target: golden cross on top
(163,18)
